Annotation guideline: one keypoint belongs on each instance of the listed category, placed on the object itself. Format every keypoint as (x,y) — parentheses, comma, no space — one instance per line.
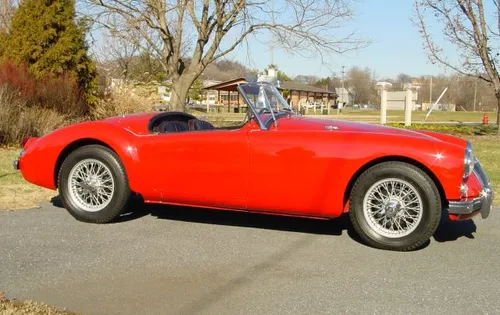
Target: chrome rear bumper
(482,203)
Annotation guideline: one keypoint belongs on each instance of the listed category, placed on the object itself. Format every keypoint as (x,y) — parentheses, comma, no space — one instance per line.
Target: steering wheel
(261,111)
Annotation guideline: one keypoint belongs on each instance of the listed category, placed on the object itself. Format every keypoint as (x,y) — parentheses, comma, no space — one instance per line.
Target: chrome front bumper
(482,203)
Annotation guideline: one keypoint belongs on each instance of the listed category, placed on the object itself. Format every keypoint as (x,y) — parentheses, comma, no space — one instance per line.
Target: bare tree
(7,8)
(360,84)
(188,35)
(120,50)
(474,32)
(306,79)
(402,79)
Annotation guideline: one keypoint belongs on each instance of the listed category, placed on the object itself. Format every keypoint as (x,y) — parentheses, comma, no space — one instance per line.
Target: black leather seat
(196,125)
(172,126)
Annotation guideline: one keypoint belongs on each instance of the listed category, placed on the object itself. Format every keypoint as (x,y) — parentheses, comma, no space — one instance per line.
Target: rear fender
(51,150)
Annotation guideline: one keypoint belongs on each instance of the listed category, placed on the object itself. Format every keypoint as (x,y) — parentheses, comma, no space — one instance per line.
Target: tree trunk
(498,113)
(180,89)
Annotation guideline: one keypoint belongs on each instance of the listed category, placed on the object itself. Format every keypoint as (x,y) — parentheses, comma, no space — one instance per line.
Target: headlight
(469,161)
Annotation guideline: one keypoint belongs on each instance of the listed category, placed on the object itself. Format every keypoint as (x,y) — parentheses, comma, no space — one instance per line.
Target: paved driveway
(172,260)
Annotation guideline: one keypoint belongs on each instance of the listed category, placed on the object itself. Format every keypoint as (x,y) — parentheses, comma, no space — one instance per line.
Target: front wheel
(93,184)
(395,206)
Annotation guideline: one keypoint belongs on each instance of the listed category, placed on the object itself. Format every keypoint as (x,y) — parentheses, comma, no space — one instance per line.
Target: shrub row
(58,93)
(451,129)
(32,107)
(17,120)
(119,103)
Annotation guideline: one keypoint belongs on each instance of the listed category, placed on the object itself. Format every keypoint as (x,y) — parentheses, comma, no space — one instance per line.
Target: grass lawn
(487,150)
(16,193)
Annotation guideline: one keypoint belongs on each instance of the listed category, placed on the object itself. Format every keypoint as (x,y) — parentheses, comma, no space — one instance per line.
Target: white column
(383,106)
(408,106)
(298,104)
(382,86)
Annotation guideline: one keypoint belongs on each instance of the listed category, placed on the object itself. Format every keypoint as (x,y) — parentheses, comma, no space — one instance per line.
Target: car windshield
(263,97)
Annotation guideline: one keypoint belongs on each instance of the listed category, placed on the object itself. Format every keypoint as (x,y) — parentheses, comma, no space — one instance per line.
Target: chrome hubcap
(392,207)
(91,185)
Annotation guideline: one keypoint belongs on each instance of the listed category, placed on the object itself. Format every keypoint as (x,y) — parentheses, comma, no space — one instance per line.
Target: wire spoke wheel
(393,208)
(91,185)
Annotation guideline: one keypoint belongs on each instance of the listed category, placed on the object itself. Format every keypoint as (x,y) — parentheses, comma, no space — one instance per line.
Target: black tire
(121,192)
(423,184)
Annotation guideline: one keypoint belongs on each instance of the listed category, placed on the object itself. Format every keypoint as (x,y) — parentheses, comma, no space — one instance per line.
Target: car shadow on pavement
(137,209)
(452,230)
(252,220)
(447,231)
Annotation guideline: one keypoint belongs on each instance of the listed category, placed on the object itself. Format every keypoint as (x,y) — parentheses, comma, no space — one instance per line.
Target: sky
(396,46)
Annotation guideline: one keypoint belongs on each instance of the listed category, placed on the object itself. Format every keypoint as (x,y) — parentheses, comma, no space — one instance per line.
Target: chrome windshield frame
(249,106)
(252,107)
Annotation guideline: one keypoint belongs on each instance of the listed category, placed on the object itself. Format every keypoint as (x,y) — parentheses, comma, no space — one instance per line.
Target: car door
(288,171)
(207,168)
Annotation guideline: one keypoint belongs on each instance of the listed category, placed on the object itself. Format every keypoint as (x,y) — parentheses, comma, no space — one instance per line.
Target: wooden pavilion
(294,92)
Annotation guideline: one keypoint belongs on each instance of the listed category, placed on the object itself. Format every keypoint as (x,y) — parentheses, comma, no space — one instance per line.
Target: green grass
(7,173)
(455,129)
(487,151)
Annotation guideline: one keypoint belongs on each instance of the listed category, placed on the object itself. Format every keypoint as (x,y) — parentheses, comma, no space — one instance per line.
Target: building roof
(296,86)
(231,85)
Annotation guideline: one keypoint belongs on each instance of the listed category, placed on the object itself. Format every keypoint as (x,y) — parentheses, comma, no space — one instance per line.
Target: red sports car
(393,183)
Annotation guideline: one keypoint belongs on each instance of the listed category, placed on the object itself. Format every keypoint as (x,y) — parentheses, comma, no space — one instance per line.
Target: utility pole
(342,96)
(475,94)
(430,93)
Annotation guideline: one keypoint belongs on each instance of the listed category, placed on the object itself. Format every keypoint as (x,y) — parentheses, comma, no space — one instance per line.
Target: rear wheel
(93,184)
(395,206)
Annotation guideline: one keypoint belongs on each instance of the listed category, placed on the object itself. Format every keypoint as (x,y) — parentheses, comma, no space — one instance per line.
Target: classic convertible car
(394,184)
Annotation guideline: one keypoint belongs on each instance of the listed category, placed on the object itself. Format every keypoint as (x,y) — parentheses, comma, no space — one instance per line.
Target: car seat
(172,126)
(196,125)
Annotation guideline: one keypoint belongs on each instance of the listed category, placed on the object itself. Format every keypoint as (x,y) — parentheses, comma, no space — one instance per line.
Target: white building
(211,95)
(344,96)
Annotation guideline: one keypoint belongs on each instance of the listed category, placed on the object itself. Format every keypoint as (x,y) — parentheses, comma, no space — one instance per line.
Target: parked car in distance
(394,184)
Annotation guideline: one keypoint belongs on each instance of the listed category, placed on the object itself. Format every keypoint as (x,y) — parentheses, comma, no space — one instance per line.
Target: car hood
(308,123)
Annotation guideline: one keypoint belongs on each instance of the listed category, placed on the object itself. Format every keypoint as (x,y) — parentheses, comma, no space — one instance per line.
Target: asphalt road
(172,260)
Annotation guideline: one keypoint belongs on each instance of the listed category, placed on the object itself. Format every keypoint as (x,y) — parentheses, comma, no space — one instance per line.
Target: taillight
(25,140)
(28,142)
